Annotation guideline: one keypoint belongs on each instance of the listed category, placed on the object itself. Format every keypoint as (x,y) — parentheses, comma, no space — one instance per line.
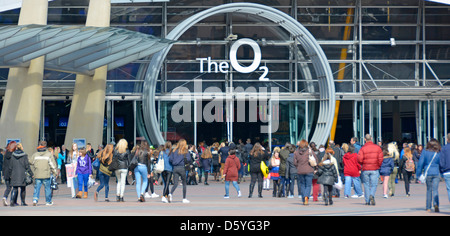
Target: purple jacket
(84,165)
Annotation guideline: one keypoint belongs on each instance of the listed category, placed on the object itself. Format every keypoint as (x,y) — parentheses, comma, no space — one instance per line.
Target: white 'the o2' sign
(223,67)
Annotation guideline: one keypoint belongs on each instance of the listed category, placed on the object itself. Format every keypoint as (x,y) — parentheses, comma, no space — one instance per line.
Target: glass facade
(390,61)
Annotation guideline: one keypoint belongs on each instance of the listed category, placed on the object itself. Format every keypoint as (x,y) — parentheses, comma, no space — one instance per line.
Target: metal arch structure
(75,49)
(299,32)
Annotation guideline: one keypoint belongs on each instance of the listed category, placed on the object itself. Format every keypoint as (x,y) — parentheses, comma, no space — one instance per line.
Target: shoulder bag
(423,177)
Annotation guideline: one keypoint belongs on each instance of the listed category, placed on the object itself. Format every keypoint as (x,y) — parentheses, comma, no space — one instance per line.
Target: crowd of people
(317,171)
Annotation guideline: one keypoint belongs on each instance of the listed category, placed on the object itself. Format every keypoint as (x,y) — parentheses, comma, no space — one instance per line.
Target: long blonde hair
(181,147)
(122,146)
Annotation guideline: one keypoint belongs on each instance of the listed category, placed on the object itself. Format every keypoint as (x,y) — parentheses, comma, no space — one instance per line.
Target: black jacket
(7,165)
(327,174)
(255,161)
(121,160)
(18,166)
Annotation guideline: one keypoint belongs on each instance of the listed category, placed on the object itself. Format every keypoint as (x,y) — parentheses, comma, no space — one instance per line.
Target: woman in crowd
(230,171)
(121,160)
(327,177)
(10,148)
(352,173)
(407,168)
(19,165)
(167,173)
(206,160)
(429,166)
(141,171)
(305,169)
(180,158)
(386,169)
(105,156)
(257,155)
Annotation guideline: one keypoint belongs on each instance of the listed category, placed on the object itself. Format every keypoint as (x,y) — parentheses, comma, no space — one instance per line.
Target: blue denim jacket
(425,161)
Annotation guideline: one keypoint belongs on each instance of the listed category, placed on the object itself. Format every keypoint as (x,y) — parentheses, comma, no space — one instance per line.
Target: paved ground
(209,201)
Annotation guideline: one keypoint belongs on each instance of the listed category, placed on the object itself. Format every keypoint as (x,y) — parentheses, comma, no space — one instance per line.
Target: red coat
(370,156)
(351,165)
(232,166)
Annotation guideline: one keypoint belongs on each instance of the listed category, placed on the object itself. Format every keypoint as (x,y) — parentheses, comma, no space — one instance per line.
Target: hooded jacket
(18,166)
(301,161)
(351,165)
(232,166)
(327,173)
(43,164)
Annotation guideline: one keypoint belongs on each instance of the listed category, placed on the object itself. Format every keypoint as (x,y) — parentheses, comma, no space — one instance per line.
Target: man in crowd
(43,165)
(370,157)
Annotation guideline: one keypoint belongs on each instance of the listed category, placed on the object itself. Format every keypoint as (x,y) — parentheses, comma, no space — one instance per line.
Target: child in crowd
(83,172)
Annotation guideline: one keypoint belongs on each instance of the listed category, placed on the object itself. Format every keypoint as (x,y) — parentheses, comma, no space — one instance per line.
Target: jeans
(447,182)
(83,181)
(141,172)
(348,186)
(432,191)
(305,185)
(104,182)
(370,180)
(37,190)
(227,187)
(121,175)
(292,179)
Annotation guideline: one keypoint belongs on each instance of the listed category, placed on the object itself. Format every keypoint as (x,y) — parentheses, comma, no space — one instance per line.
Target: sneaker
(147,195)
(239,194)
(34,203)
(355,196)
(226,196)
(170,198)
(49,204)
(154,195)
(186,201)
(5,203)
(164,200)
(385,196)
(290,196)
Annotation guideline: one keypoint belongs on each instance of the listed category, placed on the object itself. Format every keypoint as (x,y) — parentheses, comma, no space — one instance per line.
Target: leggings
(166,176)
(179,171)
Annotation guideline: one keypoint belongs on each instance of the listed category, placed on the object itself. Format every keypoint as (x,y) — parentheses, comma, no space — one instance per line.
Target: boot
(85,195)
(260,188)
(252,186)
(325,198)
(14,196)
(79,194)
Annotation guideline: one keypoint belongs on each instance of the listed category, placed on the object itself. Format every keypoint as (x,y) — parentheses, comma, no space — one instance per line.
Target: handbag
(28,178)
(105,170)
(264,169)
(339,185)
(96,164)
(159,166)
(134,163)
(423,177)
(312,159)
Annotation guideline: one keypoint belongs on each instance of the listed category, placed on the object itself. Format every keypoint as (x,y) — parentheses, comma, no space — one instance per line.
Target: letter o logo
(256,60)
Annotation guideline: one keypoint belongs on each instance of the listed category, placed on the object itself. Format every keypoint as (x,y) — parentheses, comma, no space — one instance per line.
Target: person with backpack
(407,167)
